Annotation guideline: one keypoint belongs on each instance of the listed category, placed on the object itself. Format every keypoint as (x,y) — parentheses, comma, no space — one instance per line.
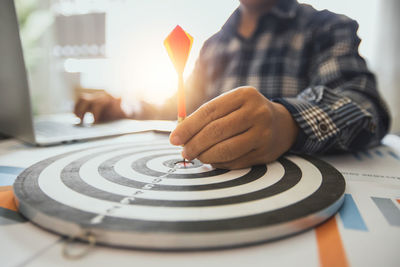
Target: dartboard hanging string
(67,251)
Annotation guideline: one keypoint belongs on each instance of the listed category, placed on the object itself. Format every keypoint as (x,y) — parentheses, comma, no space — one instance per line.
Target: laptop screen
(15,108)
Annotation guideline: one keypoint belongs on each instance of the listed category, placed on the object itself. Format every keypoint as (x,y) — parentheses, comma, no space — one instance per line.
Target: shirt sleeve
(341,109)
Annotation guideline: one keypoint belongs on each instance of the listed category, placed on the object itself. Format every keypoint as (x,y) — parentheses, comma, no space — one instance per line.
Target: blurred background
(74,46)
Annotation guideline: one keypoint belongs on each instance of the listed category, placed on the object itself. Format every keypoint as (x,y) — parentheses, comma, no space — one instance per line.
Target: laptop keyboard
(53,128)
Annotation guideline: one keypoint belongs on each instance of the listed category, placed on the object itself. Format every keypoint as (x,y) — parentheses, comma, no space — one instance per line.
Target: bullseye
(178,163)
(183,164)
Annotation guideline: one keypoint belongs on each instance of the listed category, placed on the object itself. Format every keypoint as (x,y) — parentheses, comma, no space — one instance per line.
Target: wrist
(287,125)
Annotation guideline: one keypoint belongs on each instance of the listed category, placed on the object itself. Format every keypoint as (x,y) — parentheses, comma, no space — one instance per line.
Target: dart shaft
(181,99)
(181,104)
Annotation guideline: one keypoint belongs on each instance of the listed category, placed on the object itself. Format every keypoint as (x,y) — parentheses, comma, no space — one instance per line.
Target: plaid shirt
(308,61)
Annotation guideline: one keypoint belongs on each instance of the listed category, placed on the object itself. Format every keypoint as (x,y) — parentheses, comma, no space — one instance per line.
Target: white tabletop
(366,231)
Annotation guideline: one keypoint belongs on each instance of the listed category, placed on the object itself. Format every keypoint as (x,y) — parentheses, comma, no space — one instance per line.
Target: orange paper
(7,200)
(6,188)
(330,246)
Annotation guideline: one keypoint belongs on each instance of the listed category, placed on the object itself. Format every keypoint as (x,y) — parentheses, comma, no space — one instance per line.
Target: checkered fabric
(308,61)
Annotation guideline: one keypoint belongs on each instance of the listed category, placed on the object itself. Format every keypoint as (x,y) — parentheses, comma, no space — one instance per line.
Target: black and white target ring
(139,195)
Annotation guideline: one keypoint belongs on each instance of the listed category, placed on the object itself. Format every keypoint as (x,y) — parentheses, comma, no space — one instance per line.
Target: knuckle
(84,97)
(208,110)
(214,129)
(248,91)
(262,113)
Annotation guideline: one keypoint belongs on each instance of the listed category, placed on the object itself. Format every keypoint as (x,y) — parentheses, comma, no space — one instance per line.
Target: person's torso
(276,60)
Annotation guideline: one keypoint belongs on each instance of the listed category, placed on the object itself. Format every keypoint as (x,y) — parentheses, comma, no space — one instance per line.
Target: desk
(365,232)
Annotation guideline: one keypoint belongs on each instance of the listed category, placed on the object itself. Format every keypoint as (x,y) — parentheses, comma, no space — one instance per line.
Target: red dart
(178,44)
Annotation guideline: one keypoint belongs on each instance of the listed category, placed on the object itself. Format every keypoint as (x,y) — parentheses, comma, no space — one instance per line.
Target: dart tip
(184,163)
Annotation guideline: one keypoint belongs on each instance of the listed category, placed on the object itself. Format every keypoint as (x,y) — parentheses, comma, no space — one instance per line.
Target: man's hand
(103,106)
(236,130)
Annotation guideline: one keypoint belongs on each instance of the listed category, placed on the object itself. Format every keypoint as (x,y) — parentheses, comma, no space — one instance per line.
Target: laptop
(16,116)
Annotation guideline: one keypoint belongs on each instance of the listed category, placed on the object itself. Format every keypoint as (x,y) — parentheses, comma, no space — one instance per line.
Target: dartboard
(141,195)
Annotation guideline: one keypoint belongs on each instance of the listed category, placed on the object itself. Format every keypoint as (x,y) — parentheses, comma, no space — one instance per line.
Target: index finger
(212,110)
(81,107)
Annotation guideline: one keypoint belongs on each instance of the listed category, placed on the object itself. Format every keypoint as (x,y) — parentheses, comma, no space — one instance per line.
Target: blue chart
(350,215)
(8,174)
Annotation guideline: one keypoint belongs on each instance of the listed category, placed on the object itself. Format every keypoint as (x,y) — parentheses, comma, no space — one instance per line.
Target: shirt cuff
(322,125)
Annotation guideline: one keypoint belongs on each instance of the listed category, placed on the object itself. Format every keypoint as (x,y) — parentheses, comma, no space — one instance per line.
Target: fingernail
(175,140)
